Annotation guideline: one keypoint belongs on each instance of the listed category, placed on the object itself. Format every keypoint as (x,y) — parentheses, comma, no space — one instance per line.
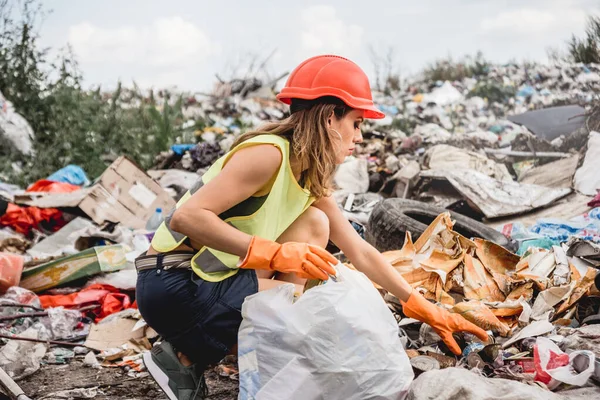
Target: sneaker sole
(159,376)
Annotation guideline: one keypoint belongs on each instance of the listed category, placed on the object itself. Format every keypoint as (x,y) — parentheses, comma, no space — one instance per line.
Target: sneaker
(176,380)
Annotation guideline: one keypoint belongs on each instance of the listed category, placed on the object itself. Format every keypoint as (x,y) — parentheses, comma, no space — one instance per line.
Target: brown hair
(310,140)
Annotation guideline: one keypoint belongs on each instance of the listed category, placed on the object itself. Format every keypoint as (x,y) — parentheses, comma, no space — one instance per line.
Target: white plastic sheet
(496,198)
(587,179)
(449,158)
(337,341)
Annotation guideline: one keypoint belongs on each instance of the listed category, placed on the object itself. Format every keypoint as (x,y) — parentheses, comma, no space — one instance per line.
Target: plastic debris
(15,128)
(19,358)
(553,366)
(91,361)
(73,174)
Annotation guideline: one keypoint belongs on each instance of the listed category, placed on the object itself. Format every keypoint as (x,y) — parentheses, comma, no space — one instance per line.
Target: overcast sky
(185,42)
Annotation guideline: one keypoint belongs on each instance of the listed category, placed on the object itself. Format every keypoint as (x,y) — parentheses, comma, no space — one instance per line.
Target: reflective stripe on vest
(266,216)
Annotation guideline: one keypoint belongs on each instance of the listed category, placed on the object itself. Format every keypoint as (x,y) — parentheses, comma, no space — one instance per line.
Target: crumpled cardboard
(124,194)
(489,285)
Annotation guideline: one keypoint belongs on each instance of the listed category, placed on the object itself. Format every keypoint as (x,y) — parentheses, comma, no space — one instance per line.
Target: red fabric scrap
(24,219)
(110,299)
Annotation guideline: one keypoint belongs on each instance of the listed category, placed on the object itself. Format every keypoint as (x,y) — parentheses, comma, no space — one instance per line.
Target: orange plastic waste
(47,186)
(11,267)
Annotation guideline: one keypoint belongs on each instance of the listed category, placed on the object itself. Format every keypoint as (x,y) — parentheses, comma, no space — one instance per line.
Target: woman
(265,210)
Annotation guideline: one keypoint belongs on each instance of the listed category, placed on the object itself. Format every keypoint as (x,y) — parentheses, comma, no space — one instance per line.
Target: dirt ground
(112,383)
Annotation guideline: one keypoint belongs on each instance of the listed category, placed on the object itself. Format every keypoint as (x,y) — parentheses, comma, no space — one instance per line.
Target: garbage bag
(337,341)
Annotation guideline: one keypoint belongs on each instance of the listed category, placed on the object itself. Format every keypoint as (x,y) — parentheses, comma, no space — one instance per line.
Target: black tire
(391,218)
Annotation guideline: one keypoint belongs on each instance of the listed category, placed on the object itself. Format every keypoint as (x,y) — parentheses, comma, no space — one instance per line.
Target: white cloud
(324,32)
(531,21)
(168,47)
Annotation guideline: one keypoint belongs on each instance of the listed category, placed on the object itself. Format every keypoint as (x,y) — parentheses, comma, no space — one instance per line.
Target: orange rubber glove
(303,259)
(442,321)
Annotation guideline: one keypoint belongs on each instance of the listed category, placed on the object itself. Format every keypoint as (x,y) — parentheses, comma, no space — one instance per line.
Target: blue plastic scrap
(550,232)
(388,110)
(73,174)
(180,149)
(526,91)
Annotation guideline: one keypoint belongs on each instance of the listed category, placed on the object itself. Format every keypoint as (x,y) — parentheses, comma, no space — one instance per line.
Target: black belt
(171,260)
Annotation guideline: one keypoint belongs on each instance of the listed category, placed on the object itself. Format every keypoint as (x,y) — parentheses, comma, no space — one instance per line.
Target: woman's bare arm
(361,254)
(248,170)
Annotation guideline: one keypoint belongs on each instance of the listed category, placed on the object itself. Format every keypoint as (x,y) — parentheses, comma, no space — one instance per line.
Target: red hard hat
(331,76)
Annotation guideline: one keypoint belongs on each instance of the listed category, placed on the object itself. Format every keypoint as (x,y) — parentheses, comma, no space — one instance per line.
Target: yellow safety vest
(265,216)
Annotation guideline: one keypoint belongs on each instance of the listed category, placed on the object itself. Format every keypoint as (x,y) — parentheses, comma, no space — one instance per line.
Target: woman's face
(349,132)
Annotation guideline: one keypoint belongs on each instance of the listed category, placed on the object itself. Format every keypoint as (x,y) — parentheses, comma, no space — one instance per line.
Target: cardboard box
(124,194)
(113,333)
(86,263)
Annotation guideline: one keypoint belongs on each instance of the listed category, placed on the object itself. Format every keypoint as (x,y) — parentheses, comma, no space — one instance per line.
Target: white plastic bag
(337,341)
(353,176)
(15,128)
(547,350)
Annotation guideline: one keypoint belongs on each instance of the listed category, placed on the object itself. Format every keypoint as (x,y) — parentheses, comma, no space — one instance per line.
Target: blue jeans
(199,318)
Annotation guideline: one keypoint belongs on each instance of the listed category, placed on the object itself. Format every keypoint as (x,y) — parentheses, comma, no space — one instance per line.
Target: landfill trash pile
(542,310)
(482,193)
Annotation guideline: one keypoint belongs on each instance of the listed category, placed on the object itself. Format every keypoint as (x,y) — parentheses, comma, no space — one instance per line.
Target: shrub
(587,50)
(72,125)
(449,70)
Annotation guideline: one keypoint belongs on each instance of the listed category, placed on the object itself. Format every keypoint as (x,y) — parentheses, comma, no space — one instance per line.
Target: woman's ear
(330,119)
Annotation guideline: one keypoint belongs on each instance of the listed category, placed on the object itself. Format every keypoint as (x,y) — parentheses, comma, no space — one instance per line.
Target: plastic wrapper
(315,348)
(352,176)
(11,266)
(63,323)
(124,280)
(553,366)
(18,295)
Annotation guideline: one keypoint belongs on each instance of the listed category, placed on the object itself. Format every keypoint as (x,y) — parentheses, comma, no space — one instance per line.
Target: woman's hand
(442,321)
(369,261)
(303,259)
